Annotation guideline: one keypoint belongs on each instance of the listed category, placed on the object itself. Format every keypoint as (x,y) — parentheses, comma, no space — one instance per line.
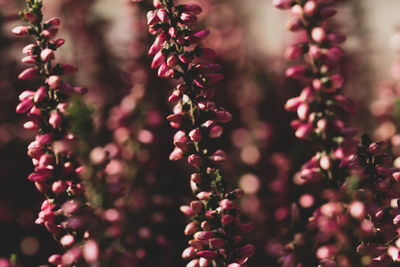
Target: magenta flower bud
(28,73)
(174,96)
(172,32)
(175,119)
(154,49)
(318,34)
(162,70)
(195,160)
(59,187)
(223,116)
(55,259)
(50,32)
(157,4)
(180,139)
(53,81)
(53,21)
(40,94)
(196,178)
(327,12)
(296,72)
(195,135)
(45,160)
(24,106)
(337,81)
(20,30)
(188,253)
(247,251)
(207,254)
(191,228)
(185,58)
(226,219)
(58,42)
(293,52)
(192,8)
(293,103)
(161,38)
(346,104)
(282,4)
(193,263)
(55,119)
(214,77)
(152,18)
(208,53)
(196,206)
(176,154)
(294,25)
(216,242)
(204,195)
(303,130)
(26,94)
(172,61)
(207,68)
(157,60)
(215,131)
(218,157)
(68,69)
(314,51)
(31,125)
(47,54)
(206,225)
(29,60)
(162,15)
(28,50)
(203,235)
(227,204)
(336,38)
(188,18)
(310,7)
(90,251)
(302,111)
(202,34)
(80,90)
(245,228)
(188,211)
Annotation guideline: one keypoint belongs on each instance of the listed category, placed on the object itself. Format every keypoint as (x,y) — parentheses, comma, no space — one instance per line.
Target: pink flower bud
(192,8)
(310,7)
(213,77)
(28,50)
(216,242)
(203,235)
(40,94)
(293,52)
(152,18)
(245,228)
(68,69)
(31,125)
(247,251)
(204,195)
(172,61)
(226,219)
(196,206)
(207,254)
(47,54)
(218,157)
(188,253)
(191,228)
(80,90)
(55,119)
(357,210)
(196,178)
(346,104)
(157,60)
(28,73)
(185,58)
(318,34)
(180,139)
(55,259)
(336,38)
(90,251)
(215,131)
(282,4)
(193,263)
(157,4)
(162,70)
(53,81)
(67,240)
(208,53)
(203,262)
(223,116)
(58,42)
(20,30)
(296,72)
(325,162)
(303,130)
(195,160)
(31,17)
(50,32)
(53,21)
(29,60)
(162,15)
(227,204)
(24,106)
(172,32)
(154,49)
(294,25)
(176,154)
(188,211)
(59,187)
(302,111)
(188,18)
(327,12)
(195,135)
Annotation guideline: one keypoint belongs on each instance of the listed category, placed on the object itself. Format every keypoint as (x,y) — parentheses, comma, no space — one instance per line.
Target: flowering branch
(64,213)
(216,227)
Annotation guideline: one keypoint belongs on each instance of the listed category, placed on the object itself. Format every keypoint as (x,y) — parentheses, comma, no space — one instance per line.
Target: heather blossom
(216,227)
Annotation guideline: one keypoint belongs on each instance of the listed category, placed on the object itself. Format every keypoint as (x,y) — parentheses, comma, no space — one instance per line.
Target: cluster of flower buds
(216,227)
(345,198)
(64,213)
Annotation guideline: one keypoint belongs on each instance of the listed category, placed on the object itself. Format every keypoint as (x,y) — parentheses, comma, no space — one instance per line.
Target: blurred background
(108,41)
